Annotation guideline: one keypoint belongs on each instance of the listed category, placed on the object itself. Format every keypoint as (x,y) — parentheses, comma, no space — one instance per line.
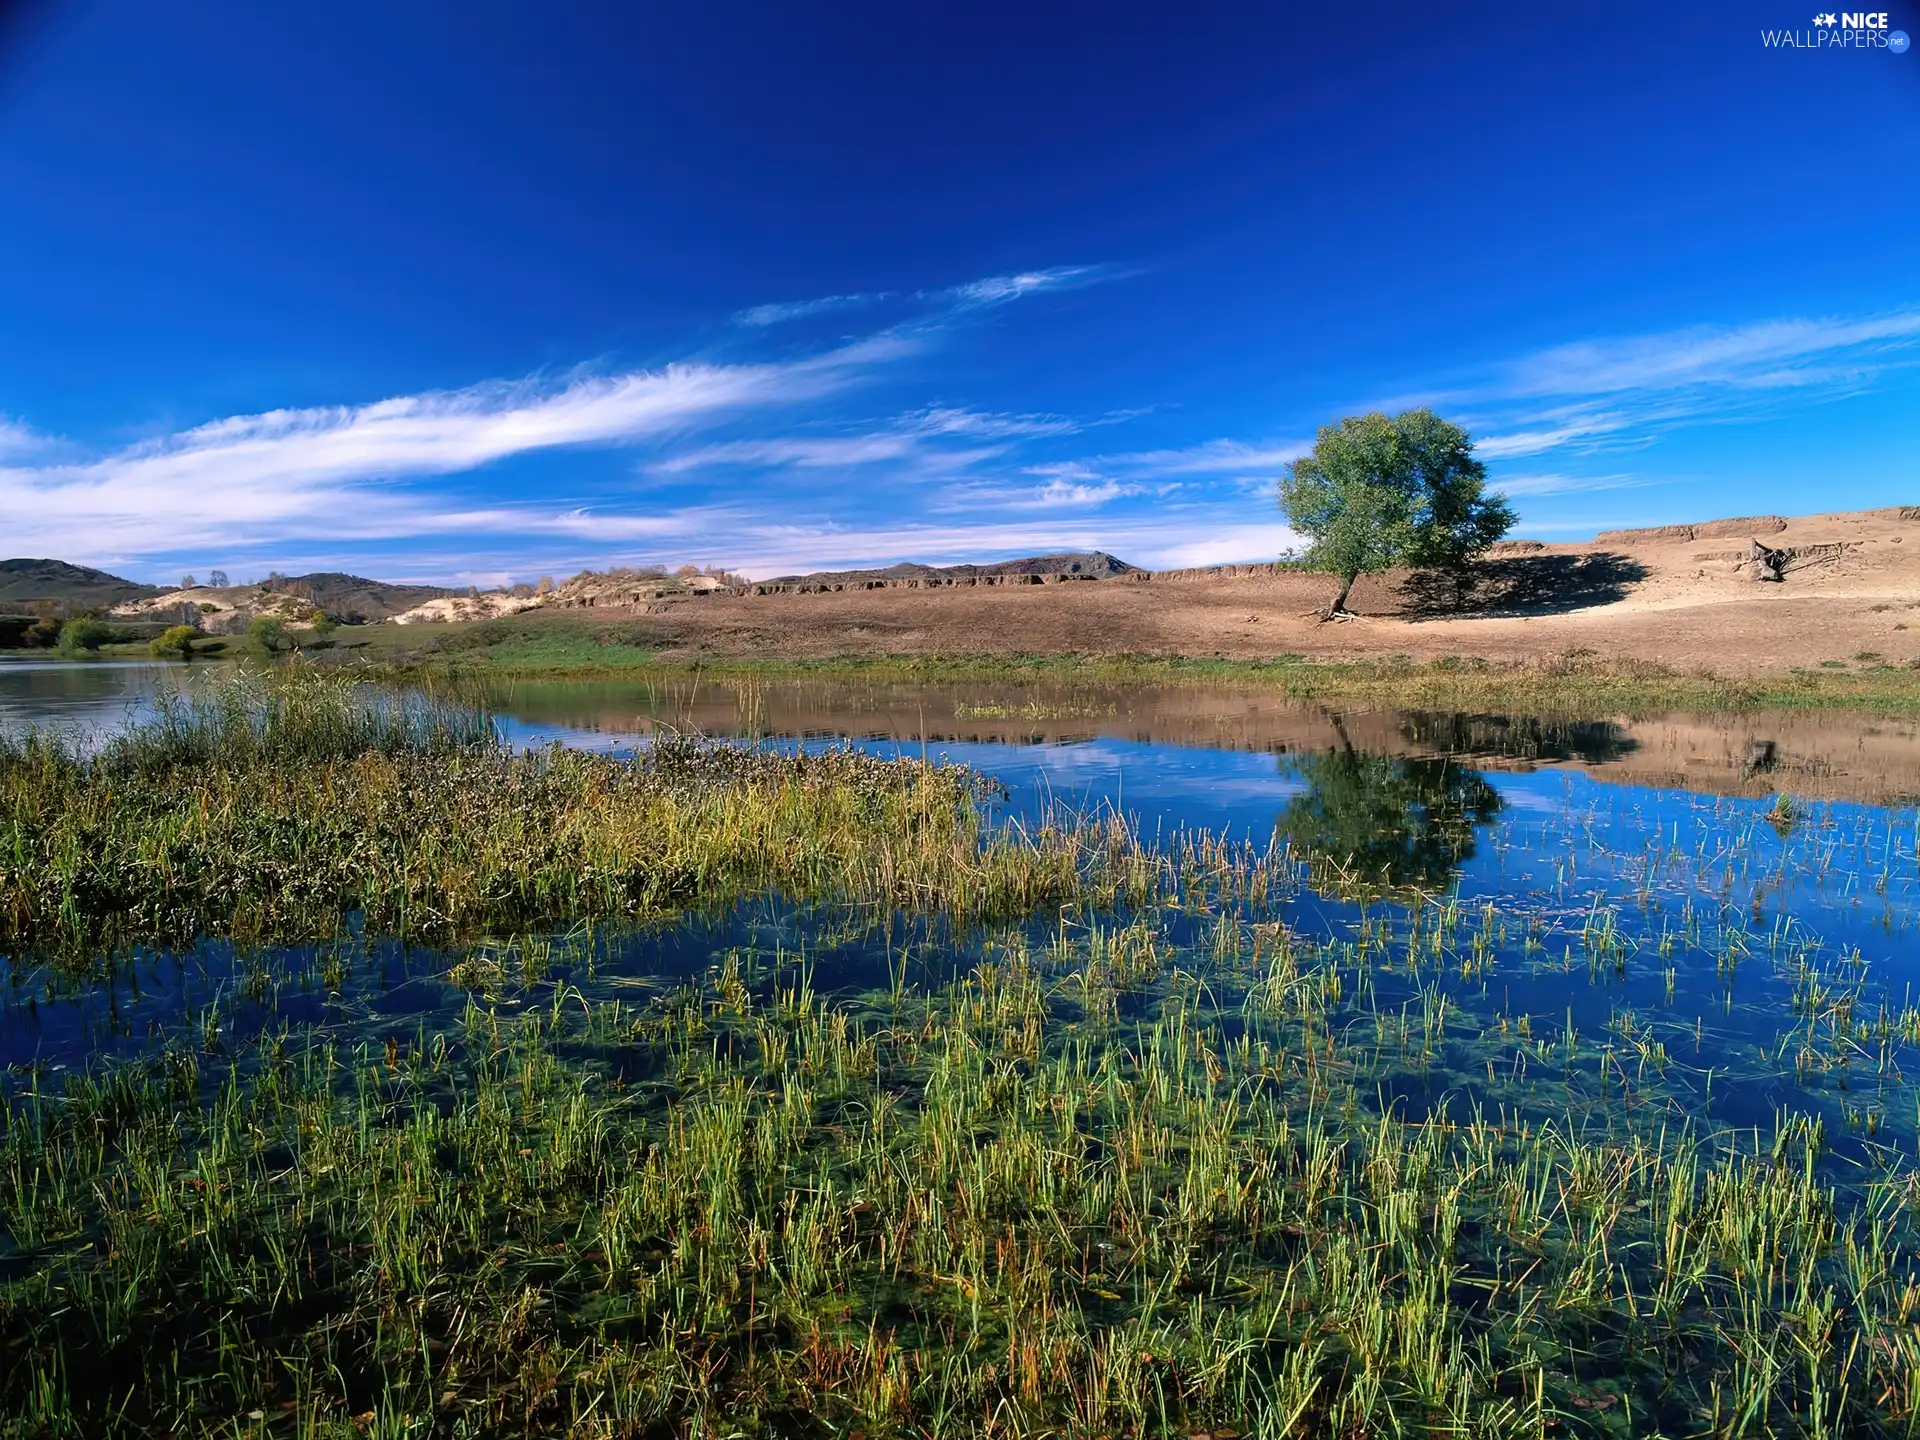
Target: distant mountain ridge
(1087,564)
(28,581)
(356,599)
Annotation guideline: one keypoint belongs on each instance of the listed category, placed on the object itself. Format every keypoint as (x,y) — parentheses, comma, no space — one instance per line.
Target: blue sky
(481,292)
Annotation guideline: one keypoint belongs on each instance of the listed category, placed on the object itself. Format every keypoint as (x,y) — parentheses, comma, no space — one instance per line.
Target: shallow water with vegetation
(372,1067)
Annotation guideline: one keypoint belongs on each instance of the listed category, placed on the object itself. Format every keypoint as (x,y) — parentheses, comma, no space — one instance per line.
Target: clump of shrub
(175,641)
(269,633)
(84,633)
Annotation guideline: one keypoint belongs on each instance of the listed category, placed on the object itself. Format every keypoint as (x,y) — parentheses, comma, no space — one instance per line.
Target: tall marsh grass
(271,809)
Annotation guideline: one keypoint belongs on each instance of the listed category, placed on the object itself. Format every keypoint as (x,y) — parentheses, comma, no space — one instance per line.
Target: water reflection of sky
(88,699)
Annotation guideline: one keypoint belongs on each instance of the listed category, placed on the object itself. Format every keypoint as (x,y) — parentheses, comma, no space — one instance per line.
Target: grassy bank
(1574,684)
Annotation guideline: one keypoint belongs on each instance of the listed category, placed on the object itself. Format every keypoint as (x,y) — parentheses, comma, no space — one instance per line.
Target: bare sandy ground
(1683,596)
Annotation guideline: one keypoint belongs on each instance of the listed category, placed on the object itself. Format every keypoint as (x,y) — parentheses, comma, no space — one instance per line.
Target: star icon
(1829,18)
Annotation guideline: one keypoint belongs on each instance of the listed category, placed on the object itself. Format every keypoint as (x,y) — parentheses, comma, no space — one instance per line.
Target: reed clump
(268,809)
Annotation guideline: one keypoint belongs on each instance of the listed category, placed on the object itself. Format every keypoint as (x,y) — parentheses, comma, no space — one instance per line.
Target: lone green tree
(1378,491)
(84,633)
(268,632)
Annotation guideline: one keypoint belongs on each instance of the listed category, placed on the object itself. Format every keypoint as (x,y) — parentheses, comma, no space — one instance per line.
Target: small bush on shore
(174,642)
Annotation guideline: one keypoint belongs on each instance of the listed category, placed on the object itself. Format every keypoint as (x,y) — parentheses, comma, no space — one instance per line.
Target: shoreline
(1584,686)
(1587,686)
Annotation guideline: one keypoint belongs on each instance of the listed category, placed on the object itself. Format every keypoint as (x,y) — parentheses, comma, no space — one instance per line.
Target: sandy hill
(1735,596)
(352,599)
(28,582)
(1089,565)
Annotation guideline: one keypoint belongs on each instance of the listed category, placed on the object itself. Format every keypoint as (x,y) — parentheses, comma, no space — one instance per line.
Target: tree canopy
(1378,491)
(268,632)
(84,632)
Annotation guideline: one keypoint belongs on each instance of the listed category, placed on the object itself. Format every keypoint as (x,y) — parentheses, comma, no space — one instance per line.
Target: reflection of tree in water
(1518,737)
(1382,822)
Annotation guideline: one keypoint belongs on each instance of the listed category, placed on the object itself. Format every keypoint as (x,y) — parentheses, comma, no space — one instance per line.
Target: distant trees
(28,632)
(84,633)
(1379,491)
(187,582)
(269,633)
(217,579)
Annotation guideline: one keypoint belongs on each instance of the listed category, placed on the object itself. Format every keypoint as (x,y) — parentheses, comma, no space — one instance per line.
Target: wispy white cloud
(781,312)
(1213,457)
(1540,430)
(973,295)
(374,472)
(1768,355)
(1070,483)
(257,477)
(939,439)
(998,289)
(1625,392)
(1532,486)
(1066,485)
(18,440)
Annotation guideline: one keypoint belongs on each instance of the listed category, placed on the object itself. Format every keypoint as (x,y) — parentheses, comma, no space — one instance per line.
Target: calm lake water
(1633,882)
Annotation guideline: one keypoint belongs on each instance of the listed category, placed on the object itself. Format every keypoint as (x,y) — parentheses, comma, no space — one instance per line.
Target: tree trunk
(1339,606)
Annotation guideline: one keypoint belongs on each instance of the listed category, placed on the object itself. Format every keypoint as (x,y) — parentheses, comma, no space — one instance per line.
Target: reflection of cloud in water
(1162,786)
(1529,793)
(532,735)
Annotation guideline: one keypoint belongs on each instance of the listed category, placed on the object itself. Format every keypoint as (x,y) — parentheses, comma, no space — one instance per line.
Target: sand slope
(1679,595)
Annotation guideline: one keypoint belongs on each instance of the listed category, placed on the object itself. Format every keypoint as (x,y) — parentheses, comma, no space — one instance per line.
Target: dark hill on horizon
(1087,564)
(31,581)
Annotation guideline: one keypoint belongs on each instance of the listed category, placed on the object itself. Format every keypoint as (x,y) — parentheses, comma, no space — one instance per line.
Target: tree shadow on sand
(1512,585)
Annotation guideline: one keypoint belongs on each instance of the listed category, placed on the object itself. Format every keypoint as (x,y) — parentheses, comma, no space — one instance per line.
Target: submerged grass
(1081,1191)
